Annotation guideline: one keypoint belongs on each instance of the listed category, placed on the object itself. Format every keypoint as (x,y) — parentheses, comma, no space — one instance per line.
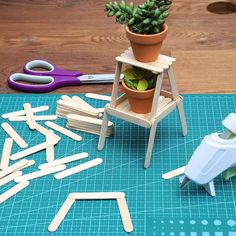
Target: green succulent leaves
(139,79)
(147,18)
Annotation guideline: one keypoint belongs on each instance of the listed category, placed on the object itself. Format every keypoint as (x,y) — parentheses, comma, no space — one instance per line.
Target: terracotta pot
(146,48)
(140,101)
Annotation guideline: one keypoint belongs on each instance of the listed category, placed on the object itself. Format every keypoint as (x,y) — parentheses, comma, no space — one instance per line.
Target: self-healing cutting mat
(157,206)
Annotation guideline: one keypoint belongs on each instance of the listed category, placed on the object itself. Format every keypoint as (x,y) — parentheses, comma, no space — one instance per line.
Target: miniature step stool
(163,102)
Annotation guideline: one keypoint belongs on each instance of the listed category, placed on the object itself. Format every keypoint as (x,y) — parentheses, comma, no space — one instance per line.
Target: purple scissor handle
(48,80)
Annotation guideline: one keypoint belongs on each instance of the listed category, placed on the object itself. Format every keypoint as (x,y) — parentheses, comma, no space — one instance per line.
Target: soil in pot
(140,101)
(146,48)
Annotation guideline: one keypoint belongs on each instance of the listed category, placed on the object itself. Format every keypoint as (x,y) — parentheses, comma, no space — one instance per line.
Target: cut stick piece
(22,112)
(44,131)
(30,116)
(10,177)
(6,152)
(59,217)
(125,215)
(12,191)
(64,160)
(50,149)
(97,195)
(34,149)
(98,96)
(14,135)
(40,173)
(78,168)
(174,173)
(63,131)
(37,118)
(13,167)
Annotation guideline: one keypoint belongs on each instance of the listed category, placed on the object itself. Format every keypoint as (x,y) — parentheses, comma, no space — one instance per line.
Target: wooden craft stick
(96,195)
(13,167)
(63,131)
(30,116)
(64,160)
(40,173)
(10,177)
(50,149)
(6,152)
(30,163)
(80,101)
(174,173)
(44,131)
(14,135)
(59,217)
(12,191)
(78,168)
(98,96)
(77,107)
(33,149)
(36,118)
(22,112)
(125,216)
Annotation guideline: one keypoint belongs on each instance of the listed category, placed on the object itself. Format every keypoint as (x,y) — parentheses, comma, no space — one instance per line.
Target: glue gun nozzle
(184,181)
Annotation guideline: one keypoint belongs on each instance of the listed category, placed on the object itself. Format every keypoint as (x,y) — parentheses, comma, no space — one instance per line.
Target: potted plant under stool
(145,25)
(139,86)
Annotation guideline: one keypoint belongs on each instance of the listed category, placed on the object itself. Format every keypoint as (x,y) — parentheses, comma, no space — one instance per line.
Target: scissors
(52,78)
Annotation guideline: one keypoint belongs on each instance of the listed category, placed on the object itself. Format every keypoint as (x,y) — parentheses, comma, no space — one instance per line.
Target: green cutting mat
(157,207)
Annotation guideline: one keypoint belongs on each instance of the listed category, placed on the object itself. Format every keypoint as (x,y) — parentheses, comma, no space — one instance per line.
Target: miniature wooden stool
(163,102)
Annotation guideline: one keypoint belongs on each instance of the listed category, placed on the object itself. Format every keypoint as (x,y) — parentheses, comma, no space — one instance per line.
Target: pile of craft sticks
(14,172)
(81,115)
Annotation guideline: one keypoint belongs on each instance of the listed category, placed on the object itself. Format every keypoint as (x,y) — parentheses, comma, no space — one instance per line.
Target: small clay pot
(146,48)
(140,101)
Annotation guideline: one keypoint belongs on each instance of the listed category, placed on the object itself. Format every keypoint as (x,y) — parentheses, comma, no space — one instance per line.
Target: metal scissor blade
(98,78)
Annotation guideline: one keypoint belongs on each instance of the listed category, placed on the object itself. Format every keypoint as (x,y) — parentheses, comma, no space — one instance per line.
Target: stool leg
(102,136)
(182,118)
(150,144)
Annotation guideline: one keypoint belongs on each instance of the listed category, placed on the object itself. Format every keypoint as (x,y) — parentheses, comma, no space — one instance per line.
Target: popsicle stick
(50,149)
(22,112)
(77,107)
(13,167)
(30,116)
(125,216)
(85,119)
(30,163)
(12,191)
(174,173)
(33,149)
(6,152)
(59,217)
(37,118)
(40,173)
(14,135)
(64,160)
(63,131)
(98,96)
(97,195)
(80,101)
(10,177)
(44,131)
(78,168)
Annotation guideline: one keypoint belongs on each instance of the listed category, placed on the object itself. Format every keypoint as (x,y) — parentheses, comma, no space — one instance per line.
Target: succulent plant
(147,18)
(139,79)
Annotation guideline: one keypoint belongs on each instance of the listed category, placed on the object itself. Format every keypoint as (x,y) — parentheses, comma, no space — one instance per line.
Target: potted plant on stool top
(145,25)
